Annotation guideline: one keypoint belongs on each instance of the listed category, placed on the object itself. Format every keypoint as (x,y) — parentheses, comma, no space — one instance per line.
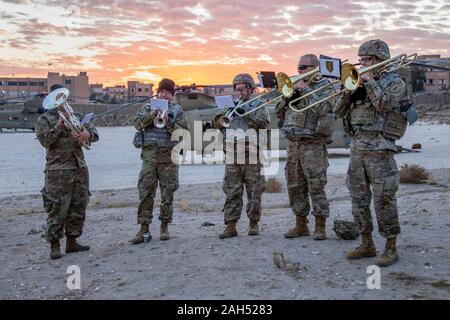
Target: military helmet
(377,48)
(345,230)
(244,78)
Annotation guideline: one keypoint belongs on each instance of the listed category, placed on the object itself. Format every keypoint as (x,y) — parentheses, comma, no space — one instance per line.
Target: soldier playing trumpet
(157,164)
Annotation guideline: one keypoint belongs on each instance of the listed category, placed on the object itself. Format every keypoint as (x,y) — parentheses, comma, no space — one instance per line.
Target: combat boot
(300,229)
(55,252)
(230,230)
(164,231)
(365,250)
(319,232)
(390,255)
(73,246)
(139,238)
(253,228)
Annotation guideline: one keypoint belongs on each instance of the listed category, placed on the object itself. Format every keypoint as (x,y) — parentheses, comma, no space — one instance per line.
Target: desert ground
(195,263)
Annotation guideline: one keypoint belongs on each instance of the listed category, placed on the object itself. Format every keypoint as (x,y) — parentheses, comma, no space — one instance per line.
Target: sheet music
(224,102)
(87,118)
(159,104)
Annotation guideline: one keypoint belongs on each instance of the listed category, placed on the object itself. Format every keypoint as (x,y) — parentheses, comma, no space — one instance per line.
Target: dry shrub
(273,185)
(185,205)
(413,173)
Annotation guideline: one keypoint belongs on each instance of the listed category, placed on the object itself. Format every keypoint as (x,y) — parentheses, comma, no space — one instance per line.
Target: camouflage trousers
(374,172)
(306,177)
(152,173)
(236,176)
(66,196)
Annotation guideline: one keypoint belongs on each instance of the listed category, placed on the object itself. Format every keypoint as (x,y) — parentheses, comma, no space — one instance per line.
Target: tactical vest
(363,115)
(309,124)
(160,136)
(238,123)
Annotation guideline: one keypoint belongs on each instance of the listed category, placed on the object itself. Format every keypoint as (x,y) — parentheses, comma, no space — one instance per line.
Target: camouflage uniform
(373,118)
(157,164)
(307,159)
(66,191)
(249,174)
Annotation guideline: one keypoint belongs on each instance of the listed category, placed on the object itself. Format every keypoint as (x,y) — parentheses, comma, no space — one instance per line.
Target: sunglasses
(365,59)
(304,66)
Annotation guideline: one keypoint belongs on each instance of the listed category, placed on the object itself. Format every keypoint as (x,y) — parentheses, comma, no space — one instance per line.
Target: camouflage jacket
(372,113)
(157,142)
(64,152)
(315,123)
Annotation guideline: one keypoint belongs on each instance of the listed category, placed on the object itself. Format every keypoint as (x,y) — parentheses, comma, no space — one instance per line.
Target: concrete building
(116,94)
(436,80)
(78,85)
(21,88)
(138,90)
(96,91)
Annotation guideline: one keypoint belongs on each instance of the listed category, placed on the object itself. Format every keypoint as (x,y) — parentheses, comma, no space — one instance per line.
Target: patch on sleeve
(397,88)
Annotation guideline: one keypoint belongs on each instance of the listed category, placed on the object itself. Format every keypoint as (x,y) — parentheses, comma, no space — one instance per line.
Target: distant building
(138,89)
(78,85)
(96,91)
(218,89)
(436,80)
(116,94)
(21,88)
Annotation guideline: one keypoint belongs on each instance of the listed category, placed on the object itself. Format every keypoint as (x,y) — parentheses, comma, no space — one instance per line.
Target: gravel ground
(196,264)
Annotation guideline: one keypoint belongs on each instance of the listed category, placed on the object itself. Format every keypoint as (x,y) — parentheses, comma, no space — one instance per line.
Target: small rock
(208,224)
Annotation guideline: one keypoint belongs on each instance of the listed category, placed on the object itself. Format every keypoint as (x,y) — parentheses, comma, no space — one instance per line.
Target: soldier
(373,119)
(66,191)
(157,164)
(308,133)
(249,174)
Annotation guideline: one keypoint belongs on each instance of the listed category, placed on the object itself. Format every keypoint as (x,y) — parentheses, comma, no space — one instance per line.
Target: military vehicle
(12,117)
(202,107)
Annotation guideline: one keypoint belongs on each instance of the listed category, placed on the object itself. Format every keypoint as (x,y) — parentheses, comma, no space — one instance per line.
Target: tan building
(436,81)
(116,94)
(96,91)
(78,85)
(138,89)
(21,88)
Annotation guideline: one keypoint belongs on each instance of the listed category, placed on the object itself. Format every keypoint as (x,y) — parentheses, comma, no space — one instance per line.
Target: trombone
(351,77)
(225,120)
(285,86)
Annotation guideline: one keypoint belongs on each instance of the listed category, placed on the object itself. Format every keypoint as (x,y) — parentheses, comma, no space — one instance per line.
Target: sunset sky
(205,42)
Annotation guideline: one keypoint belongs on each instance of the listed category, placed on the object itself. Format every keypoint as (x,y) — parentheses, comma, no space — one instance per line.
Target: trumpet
(58,98)
(351,77)
(285,86)
(159,121)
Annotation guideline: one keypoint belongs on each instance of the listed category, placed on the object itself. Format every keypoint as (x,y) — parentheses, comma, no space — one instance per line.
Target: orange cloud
(206,42)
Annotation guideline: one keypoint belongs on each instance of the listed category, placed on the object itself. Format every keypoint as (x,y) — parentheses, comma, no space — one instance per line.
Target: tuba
(58,98)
